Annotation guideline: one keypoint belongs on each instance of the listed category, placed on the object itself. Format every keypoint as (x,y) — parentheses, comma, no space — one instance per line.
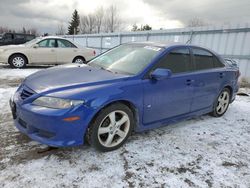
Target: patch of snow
(11,74)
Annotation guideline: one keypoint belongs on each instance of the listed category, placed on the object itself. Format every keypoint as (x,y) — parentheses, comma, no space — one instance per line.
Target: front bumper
(47,125)
(3,58)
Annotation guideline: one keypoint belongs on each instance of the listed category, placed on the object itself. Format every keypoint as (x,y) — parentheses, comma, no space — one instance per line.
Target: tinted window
(19,36)
(217,62)
(8,37)
(178,60)
(203,59)
(65,44)
(49,43)
(29,37)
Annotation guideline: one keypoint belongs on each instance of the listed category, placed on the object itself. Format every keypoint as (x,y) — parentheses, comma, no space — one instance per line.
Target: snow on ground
(202,152)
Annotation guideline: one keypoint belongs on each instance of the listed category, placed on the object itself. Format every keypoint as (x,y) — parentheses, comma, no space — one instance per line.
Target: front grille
(26,93)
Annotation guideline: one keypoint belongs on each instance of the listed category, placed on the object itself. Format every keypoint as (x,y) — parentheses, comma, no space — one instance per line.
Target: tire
(106,133)
(18,61)
(79,60)
(221,104)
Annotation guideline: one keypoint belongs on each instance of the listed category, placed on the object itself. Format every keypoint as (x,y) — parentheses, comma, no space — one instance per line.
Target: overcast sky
(46,15)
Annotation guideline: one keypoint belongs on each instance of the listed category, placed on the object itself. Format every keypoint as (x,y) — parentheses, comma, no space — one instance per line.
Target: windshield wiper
(101,67)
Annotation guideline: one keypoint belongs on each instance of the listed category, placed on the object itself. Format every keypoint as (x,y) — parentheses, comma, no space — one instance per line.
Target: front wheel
(222,103)
(18,61)
(111,128)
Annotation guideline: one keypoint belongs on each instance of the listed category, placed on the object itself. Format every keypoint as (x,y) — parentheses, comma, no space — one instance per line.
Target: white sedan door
(44,52)
(66,51)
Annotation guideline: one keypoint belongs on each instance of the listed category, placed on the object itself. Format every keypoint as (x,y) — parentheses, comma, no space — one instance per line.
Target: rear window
(29,37)
(203,59)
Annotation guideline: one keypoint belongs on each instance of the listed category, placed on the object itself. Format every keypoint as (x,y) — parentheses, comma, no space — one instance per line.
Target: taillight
(94,52)
(237,74)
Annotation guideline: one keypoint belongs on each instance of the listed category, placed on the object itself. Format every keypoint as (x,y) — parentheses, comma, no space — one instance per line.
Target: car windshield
(126,59)
(31,42)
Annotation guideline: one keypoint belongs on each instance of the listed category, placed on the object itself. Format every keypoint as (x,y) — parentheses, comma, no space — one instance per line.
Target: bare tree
(32,31)
(4,29)
(60,29)
(24,30)
(196,22)
(88,23)
(99,19)
(112,20)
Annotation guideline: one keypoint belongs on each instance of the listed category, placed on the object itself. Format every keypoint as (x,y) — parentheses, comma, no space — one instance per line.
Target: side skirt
(172,120)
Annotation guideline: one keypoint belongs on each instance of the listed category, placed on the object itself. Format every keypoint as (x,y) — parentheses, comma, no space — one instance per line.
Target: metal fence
(229,41)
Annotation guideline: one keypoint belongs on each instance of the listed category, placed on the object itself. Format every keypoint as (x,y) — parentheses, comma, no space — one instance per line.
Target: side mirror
(161,74)
(35,46)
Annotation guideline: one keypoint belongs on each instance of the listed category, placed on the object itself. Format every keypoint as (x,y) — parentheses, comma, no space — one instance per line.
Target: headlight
(57,103)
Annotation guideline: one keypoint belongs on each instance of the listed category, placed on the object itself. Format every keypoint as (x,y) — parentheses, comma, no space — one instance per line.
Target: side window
(178,60)
(8,37)
(48,43)
(203,59)
(65,44)
(29,37)
(218,63)
(18,36)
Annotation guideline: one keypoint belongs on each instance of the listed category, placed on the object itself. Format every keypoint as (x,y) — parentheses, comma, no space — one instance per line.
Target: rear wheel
(111,128)
(222,103)
(79,60)
(18,61)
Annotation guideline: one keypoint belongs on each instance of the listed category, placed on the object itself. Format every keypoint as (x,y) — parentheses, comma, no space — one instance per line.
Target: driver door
(170,97)
(44,53)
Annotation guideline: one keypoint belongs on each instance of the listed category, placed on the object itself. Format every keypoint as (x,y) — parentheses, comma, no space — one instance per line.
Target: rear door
(66,51)
(44,53)
(208,78)
(169,97)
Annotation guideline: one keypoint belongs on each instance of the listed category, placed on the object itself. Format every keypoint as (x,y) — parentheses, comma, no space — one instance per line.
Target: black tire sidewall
(93,129)
(17,55)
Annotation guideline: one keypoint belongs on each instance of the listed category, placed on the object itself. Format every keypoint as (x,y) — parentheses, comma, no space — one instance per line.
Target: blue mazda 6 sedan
(132,87)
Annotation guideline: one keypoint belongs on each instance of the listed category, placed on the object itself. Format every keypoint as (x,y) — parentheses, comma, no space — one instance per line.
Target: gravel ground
(202,152)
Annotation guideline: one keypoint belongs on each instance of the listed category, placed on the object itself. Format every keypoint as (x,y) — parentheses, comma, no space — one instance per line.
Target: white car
(45,50)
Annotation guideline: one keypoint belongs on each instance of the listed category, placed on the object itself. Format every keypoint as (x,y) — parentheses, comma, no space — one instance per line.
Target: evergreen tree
(146,28)
(74,23)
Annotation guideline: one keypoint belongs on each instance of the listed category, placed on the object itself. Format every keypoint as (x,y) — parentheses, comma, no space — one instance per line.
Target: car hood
(69,76)
(8,47)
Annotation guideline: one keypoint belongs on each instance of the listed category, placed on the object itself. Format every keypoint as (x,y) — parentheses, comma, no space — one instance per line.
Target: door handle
(222,74)
(189,82)
(52,50)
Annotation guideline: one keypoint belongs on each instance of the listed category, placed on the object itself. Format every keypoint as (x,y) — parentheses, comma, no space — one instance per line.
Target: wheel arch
(18,53)
(78,57)
(129,104)
(230,89)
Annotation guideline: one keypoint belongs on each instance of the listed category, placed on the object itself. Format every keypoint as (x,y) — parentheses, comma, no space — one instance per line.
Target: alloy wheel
(223,102)
(114,128)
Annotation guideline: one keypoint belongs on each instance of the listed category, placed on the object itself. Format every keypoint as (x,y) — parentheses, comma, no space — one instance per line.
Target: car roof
(164,44)
(53,37)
